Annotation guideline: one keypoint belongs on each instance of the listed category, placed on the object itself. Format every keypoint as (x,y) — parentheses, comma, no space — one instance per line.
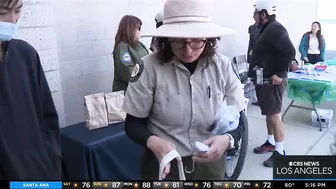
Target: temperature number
(267,185)
(289,185)
(176,185)
(86,185)
(237,185)
(115,184)
(206,185)
(146,185)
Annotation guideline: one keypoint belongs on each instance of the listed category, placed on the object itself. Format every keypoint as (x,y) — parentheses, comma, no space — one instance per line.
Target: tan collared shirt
(181,106)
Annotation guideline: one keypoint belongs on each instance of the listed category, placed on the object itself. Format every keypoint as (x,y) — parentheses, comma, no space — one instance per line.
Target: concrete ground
(301,138)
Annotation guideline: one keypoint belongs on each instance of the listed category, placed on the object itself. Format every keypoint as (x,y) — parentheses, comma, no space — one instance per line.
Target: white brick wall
(75,39)
(85,35)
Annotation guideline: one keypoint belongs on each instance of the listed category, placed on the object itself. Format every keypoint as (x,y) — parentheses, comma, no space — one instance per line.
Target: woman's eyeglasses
(193,44)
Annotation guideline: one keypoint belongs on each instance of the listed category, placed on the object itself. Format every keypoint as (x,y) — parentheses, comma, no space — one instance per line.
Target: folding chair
(240,67)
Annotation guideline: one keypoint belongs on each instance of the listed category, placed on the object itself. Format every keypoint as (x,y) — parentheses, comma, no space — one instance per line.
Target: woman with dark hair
(312,45)
(127,50)
(174,94)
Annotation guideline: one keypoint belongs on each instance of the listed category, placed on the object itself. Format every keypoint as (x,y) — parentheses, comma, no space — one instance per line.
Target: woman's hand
(161,147)
(218,145)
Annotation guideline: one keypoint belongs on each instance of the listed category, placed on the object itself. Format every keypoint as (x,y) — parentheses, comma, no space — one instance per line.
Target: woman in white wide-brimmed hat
(173,95)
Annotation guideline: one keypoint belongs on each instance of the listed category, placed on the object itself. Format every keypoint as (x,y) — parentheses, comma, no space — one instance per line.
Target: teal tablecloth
(311,91)
(331,62)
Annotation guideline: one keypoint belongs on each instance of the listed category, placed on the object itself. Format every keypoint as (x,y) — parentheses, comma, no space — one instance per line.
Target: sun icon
(256,185)
(166,185)
(196,185)
(226,185)
(136,185)
(106,185)
(75,185)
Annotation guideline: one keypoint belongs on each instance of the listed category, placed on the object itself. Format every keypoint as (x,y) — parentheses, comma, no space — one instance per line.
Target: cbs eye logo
(295,163)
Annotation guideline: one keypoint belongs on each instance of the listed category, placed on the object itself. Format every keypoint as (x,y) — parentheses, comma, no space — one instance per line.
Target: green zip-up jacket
(125,57)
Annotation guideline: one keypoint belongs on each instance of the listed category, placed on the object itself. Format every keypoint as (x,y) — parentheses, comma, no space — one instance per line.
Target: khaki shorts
(203,171)
(270,97)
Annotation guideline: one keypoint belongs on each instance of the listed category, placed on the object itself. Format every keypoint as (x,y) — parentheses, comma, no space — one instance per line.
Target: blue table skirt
(101,154)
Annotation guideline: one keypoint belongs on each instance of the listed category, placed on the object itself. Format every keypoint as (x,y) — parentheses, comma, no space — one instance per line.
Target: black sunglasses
(193,44)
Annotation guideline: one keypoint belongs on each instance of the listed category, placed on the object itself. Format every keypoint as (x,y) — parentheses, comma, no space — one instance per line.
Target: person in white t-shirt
(312,45)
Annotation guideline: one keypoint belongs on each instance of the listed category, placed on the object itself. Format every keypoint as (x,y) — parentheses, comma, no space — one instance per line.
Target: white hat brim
(190,30)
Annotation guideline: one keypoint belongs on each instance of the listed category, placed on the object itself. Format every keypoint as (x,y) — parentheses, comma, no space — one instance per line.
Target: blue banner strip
(34,185)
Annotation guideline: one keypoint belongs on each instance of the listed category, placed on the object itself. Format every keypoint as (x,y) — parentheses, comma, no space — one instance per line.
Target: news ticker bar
(175,184)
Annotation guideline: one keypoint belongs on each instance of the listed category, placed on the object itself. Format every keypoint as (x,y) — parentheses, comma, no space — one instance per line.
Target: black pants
(313,58)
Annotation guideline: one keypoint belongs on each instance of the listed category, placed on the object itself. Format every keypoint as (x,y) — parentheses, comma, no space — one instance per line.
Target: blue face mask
(8,30)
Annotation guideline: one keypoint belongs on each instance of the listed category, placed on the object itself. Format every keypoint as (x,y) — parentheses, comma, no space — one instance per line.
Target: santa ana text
(304,171)
(34,185)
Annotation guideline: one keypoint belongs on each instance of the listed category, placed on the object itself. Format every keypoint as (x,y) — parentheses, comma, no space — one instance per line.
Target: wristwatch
(231,144)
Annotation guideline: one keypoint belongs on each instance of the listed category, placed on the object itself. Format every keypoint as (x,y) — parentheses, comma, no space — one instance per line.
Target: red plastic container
(321,67)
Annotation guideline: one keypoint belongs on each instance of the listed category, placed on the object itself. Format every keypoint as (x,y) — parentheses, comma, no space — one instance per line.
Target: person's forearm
(238,133)
(137,129)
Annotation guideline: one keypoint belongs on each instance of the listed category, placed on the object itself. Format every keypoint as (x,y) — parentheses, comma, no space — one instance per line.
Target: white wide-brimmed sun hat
(188,19)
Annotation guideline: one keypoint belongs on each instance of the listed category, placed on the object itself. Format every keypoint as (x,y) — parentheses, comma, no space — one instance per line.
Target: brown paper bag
(95,111)
(114,102)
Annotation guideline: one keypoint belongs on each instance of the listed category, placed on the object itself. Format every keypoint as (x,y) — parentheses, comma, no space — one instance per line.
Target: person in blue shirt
(312,45)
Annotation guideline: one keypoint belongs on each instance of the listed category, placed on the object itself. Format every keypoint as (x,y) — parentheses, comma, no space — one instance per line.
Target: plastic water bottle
(260,76)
